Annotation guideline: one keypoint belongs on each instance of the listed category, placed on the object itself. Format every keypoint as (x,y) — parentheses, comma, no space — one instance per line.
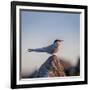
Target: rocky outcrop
(56,67)
(51,68)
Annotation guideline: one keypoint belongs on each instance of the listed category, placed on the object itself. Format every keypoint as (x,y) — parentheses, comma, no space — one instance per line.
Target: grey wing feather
(44,49)
(47,49)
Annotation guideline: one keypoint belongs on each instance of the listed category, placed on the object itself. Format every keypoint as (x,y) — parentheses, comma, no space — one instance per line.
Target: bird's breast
(55,50)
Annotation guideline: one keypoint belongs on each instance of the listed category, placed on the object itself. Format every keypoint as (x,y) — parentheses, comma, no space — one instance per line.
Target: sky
(40,29)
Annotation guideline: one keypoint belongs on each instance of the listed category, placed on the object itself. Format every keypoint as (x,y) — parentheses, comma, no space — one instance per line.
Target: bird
(51,49)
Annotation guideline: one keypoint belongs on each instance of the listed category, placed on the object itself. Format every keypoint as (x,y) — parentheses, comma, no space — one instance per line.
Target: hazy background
(39,29)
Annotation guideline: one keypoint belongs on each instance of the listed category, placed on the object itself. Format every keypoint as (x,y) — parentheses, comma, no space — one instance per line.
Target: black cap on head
(58,40)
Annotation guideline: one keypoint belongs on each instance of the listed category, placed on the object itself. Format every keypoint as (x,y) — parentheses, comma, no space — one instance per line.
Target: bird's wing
(44,49)
(47,49)
(50,48)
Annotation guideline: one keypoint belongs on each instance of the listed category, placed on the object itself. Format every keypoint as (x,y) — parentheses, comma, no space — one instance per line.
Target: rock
(51,68)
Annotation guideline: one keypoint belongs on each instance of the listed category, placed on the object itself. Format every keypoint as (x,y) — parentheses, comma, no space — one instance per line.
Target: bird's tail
(30,50)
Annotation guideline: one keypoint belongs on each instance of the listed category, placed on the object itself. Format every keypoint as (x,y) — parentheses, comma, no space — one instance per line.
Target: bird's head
(57,42)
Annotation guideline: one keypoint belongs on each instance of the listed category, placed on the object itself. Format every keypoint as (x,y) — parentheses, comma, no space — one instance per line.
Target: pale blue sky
(40,29)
